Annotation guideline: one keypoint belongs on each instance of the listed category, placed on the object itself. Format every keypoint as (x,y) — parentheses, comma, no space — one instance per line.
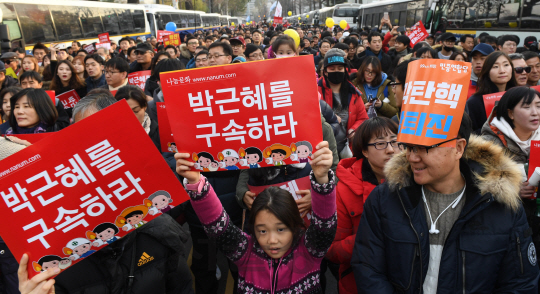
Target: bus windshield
(346,12)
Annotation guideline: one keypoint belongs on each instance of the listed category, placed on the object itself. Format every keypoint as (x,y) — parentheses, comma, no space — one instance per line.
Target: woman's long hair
(40,101)
(74,82)
(485,85)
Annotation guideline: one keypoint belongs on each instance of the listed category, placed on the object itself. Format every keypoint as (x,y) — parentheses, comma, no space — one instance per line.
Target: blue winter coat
(488,250)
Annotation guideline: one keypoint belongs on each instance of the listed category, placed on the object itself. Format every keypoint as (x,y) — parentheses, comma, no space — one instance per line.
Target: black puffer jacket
(163,270)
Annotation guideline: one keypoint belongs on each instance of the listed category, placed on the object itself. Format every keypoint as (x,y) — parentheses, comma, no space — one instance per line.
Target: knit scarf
(146,123)
(370,53)
(40,128)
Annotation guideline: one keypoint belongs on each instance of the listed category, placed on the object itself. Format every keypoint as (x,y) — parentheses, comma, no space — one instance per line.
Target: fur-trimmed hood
(499,175)
(184,52)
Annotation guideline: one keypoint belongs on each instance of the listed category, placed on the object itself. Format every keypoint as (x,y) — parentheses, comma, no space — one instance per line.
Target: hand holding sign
(39,283)
(183,168)
(321,163)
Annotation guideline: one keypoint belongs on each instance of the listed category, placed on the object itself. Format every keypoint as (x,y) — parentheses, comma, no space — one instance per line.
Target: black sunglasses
(520,69)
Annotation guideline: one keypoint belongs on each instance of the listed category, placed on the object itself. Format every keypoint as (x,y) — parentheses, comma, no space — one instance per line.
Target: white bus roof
(383,3)
(347,5)
(75,3)
(326,9)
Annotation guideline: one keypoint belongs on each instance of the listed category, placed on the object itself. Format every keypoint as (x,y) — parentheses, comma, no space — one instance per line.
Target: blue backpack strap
(386,91)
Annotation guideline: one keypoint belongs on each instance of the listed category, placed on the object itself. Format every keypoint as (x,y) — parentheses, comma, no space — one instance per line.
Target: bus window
(110,22)
(531,14)
(410,18)
(368,20)
(419,15)
(166,18)
(66,20)
(36,23)
(184,20)
(138,21)
(10,19)
(508,15)
(197,20)
(402,18)
(91,22)
(192,19)
(125,20)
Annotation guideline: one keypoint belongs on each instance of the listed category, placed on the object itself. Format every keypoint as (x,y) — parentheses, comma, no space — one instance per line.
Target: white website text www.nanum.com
(213,78)
(20,165)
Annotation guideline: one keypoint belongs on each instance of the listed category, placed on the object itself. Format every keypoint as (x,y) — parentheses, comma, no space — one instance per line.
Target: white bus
(211,20)
(187,21)
(234,19)
(27,22)
(346,11)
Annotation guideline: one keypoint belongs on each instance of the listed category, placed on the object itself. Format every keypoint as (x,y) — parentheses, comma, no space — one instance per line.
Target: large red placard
(247,115)
(104,38)
(139,78)
(418,33)
(66,188)
(69,98)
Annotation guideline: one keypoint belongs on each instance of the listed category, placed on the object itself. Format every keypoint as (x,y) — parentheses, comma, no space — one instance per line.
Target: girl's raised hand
(39,284)
(321,163)
(183,168)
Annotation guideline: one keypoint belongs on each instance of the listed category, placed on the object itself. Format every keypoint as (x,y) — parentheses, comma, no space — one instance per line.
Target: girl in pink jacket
(279,255)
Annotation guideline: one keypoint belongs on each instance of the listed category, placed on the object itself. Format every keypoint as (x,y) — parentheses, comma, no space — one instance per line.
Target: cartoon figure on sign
(214,165)
(78,248)
(229,158)
(172,147)
(132,217)
(51,261)
(103,234)
(276,154)
(252,157)
(160,202)
(203,161)
(302,151)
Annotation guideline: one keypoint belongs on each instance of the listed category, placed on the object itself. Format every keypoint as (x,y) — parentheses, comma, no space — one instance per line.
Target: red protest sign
(418,33)
(489,101)
(292,186)
(165,134)
(69,98)
(173,39)
(89,48)
(139,78)
(241,117)
(278,20)
(104,38)
(434,99)
(160,35)
(52,94)
(60,192)
(534,157)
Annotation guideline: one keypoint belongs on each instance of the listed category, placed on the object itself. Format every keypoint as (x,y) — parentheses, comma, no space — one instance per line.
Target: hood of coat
(375,88)
(352,173)
(184,52)
(499,175)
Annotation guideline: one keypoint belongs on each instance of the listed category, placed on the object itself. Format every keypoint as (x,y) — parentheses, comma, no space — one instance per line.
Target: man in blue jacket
(447,220)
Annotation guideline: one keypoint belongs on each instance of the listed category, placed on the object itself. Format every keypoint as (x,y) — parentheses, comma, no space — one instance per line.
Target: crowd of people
(388,216)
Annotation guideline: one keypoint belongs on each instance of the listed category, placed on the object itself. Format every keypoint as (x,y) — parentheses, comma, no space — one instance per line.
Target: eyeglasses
(201,60)
(520,69)
(216,56)
(108,72)
(384,145)
(237,46)
(369,72)
(420,149)
(394,84)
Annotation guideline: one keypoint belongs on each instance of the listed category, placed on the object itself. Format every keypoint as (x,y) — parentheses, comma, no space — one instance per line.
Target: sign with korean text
(418,33)
(278,20)
(160,35)
(52,94)
(104,38)
(139,78)
(103,45)
(434,99)
(292,187)
(238,116)
(77,190)
(534,157)
(489,101)
(173,39)
(69,98)
(165,135)
(89,48)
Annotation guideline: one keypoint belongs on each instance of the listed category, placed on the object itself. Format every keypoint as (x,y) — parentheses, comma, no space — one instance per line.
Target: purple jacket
(298,271)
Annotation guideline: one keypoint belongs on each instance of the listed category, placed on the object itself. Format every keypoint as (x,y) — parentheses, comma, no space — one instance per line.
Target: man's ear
(461,144)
